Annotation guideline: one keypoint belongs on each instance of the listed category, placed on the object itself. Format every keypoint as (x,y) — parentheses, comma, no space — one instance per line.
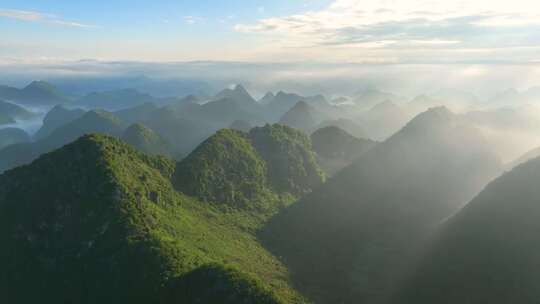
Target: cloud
(405,25)
(33,16)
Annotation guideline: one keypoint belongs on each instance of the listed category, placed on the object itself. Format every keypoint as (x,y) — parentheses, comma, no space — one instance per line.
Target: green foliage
(226,169)
(215,283)
(98,222)
(291,163)
(55,118)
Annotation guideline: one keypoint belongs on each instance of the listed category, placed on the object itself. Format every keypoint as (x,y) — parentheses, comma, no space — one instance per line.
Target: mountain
(115,99)
(534,153)
(225,168)
(290,161)
(283,102)
(146,140)
(239,93)
(348,125)
(241,125)
(36,93)
(183,132)
(302,117)
(370,97)
(383,120)
(55,118)
(98,222)
(247,170)
(14,111)
(10,136)
(336,149)
(91,122)
(267,98)
(489,252)
(137,113)
(348,240)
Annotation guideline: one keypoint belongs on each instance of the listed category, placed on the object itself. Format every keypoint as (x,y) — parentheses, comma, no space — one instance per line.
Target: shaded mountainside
(91,122)
(337,149)
(36,93)
(347,125)
(115,100)
(302,116)
(14,111)
(55,118)
(10,136)
(98,222)
(363,223)
(146,140)
(241,125)
(489,252)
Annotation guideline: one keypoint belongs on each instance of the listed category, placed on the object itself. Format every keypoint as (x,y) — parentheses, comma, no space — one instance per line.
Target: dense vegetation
(225,168)
(98,222)
(289,158)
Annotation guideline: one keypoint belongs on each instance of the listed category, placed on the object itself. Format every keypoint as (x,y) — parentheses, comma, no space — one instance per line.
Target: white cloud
(407,24)
(33,16)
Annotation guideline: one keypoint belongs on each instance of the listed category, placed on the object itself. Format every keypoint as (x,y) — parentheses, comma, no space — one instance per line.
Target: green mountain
(225,168)
(55,118)
(347,241)
(290,160)
(14,111)
(146,140)
(336,149)
(489,252)
(10,136)
(239,93)
(260,170)
(98,222)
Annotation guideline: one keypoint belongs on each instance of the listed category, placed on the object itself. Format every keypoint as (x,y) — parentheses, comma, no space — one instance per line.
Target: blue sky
(404,31)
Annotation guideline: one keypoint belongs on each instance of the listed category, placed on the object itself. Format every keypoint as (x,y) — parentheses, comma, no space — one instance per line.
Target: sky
(336,31)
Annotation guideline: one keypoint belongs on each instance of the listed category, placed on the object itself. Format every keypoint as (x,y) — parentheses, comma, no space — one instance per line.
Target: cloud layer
(407,30)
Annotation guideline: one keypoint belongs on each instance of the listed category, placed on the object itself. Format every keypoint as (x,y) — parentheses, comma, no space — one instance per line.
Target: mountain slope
(115,100)
(363,223)
(55,118)
(10,136)
(36,93)
(487,253)
(337,149)
(302,117)
(225,168)
(146,140)
(14,110)
(98,222)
